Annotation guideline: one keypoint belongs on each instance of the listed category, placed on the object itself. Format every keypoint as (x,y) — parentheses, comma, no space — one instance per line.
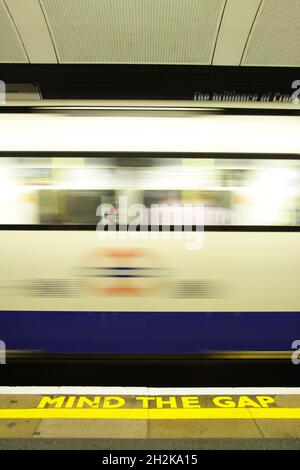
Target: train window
(71,206)
(233,190)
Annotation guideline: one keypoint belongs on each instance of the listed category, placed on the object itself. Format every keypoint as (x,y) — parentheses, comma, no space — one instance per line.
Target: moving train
(159,228)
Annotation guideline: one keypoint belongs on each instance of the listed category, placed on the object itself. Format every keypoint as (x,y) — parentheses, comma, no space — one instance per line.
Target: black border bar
(143,155)
(85,110)
(149,228)
(148,81)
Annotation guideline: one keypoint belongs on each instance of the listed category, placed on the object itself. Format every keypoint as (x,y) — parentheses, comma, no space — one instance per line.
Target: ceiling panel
(200,32)
(275,35)
(134,31)
(33,29)
(11,48)
(234,30)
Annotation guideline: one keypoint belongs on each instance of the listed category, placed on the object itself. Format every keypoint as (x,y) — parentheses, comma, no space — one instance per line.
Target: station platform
(140,417)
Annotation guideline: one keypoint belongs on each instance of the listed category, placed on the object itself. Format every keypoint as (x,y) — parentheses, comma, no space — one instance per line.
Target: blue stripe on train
(148,332)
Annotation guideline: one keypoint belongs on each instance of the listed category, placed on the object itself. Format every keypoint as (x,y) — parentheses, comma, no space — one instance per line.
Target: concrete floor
(149,444)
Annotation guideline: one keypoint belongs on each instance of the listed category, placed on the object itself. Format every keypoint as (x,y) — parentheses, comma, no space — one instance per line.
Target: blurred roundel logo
(122,271)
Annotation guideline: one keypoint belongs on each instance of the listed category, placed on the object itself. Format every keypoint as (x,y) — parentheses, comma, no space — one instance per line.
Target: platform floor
(120,417)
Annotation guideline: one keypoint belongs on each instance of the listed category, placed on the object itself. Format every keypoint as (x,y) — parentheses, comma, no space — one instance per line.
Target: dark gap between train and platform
(152,373)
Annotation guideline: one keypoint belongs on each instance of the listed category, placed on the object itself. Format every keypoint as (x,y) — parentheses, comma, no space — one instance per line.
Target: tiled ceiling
(202,32)
(275,36)
(131,31)
(11,48)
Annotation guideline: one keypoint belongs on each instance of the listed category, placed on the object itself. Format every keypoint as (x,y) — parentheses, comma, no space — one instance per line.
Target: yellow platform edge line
(205,413)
